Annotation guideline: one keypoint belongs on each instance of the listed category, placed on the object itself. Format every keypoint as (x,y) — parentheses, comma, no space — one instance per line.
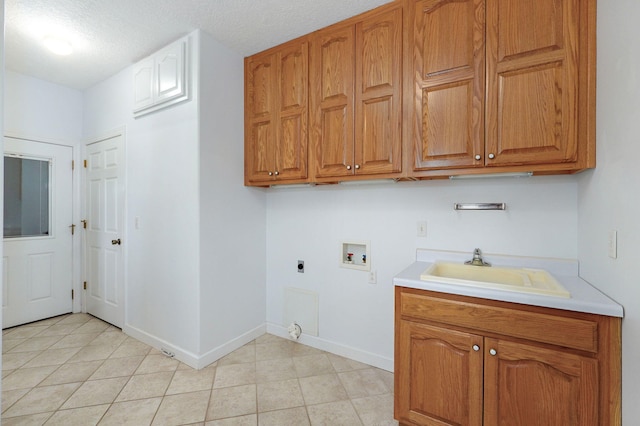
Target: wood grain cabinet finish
(503,85)
(468,361)
(449,61)
(276,114)
(420,89)
(356,92)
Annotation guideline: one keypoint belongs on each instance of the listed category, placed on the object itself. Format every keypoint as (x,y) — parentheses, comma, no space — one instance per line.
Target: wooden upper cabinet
(259,118)
(378,92)
(276,114)
(332,100)
(502,85)
(356,91)
(292,114)
(449,66)
(533,81)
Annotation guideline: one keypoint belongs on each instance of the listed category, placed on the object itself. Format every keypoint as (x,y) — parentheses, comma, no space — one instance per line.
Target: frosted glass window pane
(26,197)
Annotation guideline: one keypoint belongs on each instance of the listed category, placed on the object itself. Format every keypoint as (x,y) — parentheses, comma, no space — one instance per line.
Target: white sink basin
(521,280)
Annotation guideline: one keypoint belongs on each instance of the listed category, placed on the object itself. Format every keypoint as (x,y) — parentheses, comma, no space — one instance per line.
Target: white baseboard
(180,354)
(230,346)
(189,358)
(336,348)
(215,354)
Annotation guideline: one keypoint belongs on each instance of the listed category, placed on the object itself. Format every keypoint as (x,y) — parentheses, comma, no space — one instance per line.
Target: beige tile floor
(78,370)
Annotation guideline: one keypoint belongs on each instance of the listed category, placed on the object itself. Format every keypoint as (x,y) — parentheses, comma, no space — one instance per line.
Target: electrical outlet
(373,277)
(613,244)
(421,228)
(301,266)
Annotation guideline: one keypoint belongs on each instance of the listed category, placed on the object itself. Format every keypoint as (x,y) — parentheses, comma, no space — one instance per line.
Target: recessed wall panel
(5,281)
(111,205)
(40,276)
(110,279)
(111,158)
(95,200)
(95,280)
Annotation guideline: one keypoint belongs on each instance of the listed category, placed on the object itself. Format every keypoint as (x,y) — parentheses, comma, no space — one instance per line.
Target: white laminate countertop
(584,297)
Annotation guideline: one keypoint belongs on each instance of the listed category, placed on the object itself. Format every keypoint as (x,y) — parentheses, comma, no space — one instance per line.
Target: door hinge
(73,228)
(72,294)
(84,223)
(84,285)
(84,162)
(73,164)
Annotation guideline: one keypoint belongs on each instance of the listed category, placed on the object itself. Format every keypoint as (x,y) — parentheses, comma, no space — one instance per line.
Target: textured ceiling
(109,35)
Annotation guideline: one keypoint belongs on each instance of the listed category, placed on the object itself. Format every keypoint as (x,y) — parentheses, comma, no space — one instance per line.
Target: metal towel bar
(479,206)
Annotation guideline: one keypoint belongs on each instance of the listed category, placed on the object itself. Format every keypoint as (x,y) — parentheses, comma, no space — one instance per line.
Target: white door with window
(38,251)
(104,259)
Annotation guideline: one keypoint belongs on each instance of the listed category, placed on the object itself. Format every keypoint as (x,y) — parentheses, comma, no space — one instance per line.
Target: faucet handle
(477,259)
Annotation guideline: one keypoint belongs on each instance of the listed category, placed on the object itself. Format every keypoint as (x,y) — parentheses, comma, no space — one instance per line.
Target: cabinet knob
(270,173)
(476,348)
(478,157)
(348,167)
(277,173)
(492,156)
(493,352)
(357,166)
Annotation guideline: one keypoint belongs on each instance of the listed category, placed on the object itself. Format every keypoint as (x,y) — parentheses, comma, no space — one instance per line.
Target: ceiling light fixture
(58,46)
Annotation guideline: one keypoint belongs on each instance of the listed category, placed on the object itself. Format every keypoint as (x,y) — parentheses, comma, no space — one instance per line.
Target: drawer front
(540,327)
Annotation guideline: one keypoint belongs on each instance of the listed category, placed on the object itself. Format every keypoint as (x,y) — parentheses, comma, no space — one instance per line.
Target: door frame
(76,259)
(117,132)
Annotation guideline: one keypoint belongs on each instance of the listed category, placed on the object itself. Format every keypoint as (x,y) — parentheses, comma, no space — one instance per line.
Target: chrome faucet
(477,259)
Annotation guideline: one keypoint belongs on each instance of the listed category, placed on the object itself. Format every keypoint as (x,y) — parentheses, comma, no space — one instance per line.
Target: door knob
(116,242)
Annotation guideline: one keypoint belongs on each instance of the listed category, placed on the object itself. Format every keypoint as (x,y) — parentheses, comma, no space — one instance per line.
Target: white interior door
(38,251)
(104,259)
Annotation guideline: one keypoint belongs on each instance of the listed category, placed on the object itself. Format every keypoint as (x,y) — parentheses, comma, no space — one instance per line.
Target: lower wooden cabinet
(468,361)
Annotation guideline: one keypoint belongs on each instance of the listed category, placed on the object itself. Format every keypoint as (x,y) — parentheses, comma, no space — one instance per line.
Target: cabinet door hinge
(84,162)
(72,294)
(73,164)
(84,285)
(84,223)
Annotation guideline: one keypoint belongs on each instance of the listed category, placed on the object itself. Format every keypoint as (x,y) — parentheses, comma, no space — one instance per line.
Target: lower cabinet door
(527,385)
(439,376)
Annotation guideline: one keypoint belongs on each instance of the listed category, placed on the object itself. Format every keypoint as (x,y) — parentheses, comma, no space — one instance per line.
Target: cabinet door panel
(378,134)
(332,75)
(520,31)
(449,94)
(260,87)
(170,72)
(532,81)
(292,142)
(291,154)
(261,142)
(143,84)
(527,385)
(260,119)
(440,376)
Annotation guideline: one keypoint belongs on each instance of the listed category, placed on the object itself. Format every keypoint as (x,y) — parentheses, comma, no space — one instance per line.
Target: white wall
(356,318)
(43,111)
(189,283)
(162,289)
(47,112)
(608,195)
(2,72)
(232,217)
